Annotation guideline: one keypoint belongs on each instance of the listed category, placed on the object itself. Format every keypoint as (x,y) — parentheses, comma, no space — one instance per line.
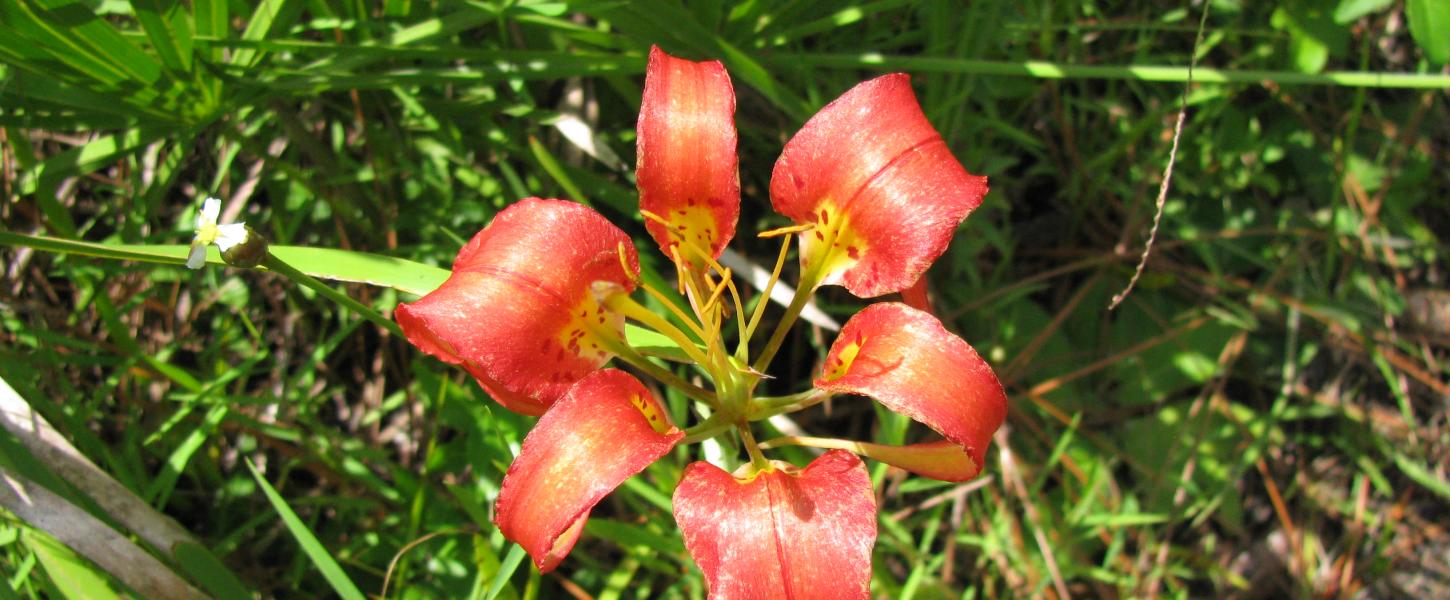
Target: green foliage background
(1264,414)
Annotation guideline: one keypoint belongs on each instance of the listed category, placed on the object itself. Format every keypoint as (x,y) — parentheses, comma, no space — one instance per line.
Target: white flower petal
(211,208)
(197,258)
(229,235)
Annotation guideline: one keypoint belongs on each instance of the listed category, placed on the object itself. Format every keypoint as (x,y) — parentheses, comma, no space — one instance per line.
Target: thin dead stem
(1167,170)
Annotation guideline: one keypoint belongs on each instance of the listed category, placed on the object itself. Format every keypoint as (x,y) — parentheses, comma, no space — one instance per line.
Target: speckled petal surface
(687,170)
(606,429)
(870,167)
(787,533)
(907,361)
(517,310)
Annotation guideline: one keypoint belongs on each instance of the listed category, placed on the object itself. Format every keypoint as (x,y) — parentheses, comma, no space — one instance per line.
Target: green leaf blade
(321,558)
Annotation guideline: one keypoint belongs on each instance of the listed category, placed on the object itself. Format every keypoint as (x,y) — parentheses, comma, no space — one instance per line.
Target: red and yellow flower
(538,300)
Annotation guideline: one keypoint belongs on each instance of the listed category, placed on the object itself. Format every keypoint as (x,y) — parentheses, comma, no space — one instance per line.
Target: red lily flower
(518,311)
(537,301)
(781,533)
(906,360)
(688,110)
(606,429)
(879,183)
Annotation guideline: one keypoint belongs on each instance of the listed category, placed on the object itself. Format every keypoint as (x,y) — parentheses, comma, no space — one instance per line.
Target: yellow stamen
(829,250)
(680,235)
(705,258)
(673,308)
(654,217)
(686,279)
(623,304)
(787,230)
(725,274)
(681,274)
(719,289)
(624,263)
(769,287)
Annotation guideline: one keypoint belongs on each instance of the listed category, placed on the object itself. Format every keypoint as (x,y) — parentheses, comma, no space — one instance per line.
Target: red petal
(606,429)
(518,309)
(687,170)
(781,534)
(870,164)
(906,360)
(918,296)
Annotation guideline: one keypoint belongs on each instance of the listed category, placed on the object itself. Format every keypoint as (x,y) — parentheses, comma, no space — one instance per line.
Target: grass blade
(505,571)
(270,14)
(167,26)
(210,573)
(73,577)
(314,549)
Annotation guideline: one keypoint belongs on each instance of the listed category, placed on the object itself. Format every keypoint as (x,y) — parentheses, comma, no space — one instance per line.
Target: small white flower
(208,232)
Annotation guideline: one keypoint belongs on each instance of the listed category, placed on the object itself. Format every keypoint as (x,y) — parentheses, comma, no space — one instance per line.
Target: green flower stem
(813,442)
(751,447)
(803,293)
(628,354)
(634,310)
(710,427)
(765,408)
(174,254)
(276,264)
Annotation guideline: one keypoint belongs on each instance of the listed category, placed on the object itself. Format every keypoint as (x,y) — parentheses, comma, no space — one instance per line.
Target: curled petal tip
(907,361)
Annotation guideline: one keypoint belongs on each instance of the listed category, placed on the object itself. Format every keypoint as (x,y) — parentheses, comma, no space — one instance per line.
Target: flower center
(207,233)
(842,361)
(592,331)
(694,225)
(831,246)
(652,413)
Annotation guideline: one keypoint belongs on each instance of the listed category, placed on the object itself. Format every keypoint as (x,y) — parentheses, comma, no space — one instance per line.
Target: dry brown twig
(1167,170)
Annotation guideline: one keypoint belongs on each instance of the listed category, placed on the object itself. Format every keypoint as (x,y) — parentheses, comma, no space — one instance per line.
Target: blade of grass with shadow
(316,552)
